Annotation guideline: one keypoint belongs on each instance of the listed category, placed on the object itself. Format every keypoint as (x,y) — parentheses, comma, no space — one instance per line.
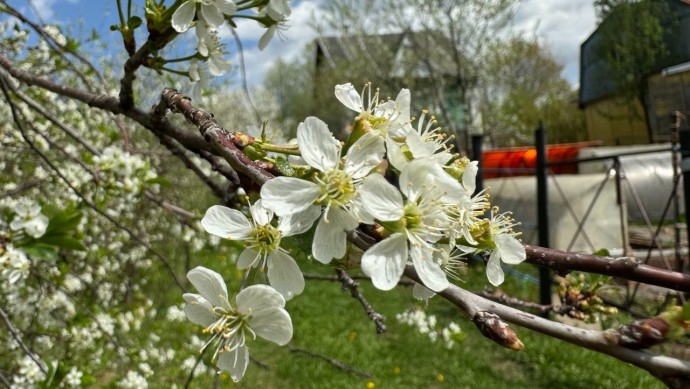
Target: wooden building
(665,87)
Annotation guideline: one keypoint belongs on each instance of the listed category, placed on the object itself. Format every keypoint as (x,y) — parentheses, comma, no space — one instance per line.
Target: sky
(562,25)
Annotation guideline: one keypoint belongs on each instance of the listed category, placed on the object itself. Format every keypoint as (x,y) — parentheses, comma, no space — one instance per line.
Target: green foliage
(524,86)
(633,40)
(62,232)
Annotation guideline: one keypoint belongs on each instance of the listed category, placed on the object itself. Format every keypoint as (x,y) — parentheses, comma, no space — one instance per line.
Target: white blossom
(263,241)
(211,11)
(28,217)
(335,187)
(258,310)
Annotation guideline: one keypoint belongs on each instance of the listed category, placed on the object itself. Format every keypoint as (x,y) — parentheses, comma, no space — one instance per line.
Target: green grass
(329,322)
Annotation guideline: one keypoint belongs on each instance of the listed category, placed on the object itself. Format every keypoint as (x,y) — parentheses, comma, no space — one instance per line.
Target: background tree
(523,86)
(634,39)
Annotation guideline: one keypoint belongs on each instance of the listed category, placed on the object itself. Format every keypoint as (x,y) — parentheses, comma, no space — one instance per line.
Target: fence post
(685,169)
(477,156)
(543,211)
(675,144)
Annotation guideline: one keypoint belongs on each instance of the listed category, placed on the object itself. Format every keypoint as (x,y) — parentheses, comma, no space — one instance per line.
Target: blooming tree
(392,199)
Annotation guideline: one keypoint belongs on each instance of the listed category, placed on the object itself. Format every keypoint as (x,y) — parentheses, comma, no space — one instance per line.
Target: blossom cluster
(427,325)
(207,17)
(402,182)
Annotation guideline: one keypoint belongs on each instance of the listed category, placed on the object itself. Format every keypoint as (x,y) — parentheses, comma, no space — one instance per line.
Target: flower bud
(492,327)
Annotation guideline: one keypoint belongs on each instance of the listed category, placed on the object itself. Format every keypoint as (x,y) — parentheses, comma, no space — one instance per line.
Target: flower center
(337,188)
(412,218)
(265,238)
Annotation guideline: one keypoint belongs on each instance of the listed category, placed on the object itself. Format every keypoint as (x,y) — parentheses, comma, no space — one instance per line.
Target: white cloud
(561,24)
(286,45)
(46,8)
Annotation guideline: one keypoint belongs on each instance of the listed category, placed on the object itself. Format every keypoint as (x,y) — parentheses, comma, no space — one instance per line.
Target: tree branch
(189,140)
(672,371)
(353,286)
(227,143)
(625,267)
(340,365)
(20,342)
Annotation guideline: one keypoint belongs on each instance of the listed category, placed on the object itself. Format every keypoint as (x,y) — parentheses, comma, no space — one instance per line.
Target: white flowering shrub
(97,220)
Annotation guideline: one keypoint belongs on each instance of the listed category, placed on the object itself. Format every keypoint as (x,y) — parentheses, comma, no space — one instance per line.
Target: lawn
(330,323)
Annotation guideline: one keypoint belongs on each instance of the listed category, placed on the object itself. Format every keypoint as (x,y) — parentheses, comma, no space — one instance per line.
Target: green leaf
(284,167)
(602,253)
(134,22)
(162,181)
(686,312)
(114,27)
(41,251)
(63,241)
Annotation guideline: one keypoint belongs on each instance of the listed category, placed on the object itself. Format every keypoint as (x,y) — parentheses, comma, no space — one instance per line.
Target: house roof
(595,79)
(422,53)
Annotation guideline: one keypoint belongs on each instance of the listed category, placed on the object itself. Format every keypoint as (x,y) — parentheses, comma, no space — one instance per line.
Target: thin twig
(353,286)
(243,73)
(340,365)
(327,277)
(15,334)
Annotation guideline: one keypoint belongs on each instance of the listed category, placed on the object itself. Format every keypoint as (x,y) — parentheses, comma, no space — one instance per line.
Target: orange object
(522,161)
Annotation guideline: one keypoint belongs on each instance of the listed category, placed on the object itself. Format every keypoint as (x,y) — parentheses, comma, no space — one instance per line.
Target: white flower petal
(284,274)
(493,269)
(248,258)
(272,324)
(228,7)
(469,177)
(235,362)
(418,147)
(385,261)
(227,223)
(428,270)
(198,310)
(280,7)
(364,155)
(346,94)
(267,36)
(317,145)
(212,15)
(210,285)
(421,292)
(299,223)
(288,195)
(402,106)
(510,249)
(183,16)
(330,236)
(381,199)
(218,66)
(260,214)
(258,297)
(395,154)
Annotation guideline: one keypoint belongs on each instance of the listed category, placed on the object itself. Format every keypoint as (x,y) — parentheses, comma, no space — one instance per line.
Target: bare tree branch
(629,268)
(227,143)
(338,364)
(353,286)
(18,339)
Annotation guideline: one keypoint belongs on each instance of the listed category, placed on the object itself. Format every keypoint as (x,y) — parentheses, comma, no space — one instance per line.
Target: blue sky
(562,24)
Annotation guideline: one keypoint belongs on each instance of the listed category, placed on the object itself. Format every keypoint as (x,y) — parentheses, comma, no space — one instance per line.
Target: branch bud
(492,327)
(642,334)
